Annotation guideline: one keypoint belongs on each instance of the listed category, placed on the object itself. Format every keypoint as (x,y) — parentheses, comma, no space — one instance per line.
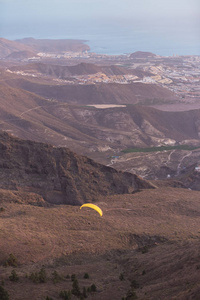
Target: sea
(116,40)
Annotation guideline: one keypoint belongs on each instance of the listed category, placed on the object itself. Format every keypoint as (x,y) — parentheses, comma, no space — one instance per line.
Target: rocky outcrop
(59,175)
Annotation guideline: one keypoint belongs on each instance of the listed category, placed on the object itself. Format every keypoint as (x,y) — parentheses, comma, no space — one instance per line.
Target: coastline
(122,44)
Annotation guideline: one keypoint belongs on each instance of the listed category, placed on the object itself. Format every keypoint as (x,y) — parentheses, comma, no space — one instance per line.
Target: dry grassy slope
(58,174)
(148,121)
(15,101)
(63,72)
(171,123)
(165,221)
(29,116)
(111,93)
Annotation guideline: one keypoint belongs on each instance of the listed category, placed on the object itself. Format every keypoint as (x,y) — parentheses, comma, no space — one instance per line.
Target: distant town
(180,74)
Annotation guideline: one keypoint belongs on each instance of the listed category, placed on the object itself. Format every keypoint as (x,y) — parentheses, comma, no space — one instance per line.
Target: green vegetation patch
(161,148)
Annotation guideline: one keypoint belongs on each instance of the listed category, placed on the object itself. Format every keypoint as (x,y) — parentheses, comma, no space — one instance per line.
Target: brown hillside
(58,174)
(142,54)
(30,116)
(46,45)
(7,47)
(111,93)
(21,55)
(64,72)
(29,44)
(177,125)
(87,130)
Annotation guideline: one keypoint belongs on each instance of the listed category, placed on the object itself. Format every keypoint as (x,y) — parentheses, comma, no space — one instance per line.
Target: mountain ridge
(59,175)
(82,68)
(100,93)
(40,45)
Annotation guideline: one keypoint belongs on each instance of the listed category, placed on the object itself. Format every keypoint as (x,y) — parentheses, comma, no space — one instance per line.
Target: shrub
(143,272)
(73,277)
(11,261)
(34,277)
(3,294)
(86,276)
(84,292)
(75,288)
(56,277)
(121,276)
(89,289)
(93,288)
(48,298)
(42,276)
(144,250)
(131,295)
(14,277)
(135,284)
(66,295)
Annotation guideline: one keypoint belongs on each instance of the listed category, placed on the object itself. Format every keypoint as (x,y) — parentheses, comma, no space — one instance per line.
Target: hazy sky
(104,10)
(68,18)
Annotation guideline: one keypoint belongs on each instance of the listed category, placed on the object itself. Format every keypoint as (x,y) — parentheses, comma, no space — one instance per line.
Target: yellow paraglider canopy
(95,207)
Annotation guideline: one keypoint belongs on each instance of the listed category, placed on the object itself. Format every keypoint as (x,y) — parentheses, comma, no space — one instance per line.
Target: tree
(3,294)
(75,288)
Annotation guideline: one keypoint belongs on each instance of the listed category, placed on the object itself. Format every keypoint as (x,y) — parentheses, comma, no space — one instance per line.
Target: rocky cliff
(59,175)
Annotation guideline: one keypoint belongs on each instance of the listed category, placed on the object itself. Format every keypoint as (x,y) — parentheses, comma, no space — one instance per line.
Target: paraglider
(95,207)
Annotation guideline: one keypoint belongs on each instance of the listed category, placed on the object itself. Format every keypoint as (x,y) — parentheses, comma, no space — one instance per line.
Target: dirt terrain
(136,234)
(134,241)
(151,237)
